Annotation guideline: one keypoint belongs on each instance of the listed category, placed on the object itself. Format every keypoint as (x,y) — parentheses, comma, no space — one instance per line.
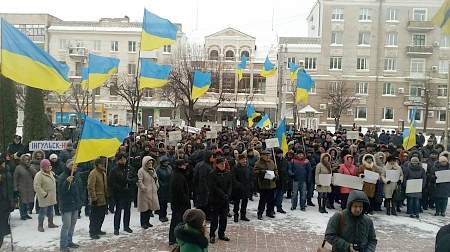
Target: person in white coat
(147,200)
(45,187)
(391,188)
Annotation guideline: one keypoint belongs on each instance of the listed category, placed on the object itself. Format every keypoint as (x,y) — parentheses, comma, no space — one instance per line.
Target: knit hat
(443,159)
(45,163)
(194,218)
(415,160)
(53,156)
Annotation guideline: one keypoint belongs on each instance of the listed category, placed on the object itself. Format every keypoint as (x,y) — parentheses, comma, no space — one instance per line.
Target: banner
(442,176)
(47,145)
(175,136)
(352,135)
(371,177)
(211,134)
(163,122)
(325,179)
(272,143)
(192,130)
(347,181)
(414,185)
(393,175)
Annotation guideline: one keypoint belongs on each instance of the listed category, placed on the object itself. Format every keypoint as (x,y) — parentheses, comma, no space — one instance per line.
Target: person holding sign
(369,186)
(322,187)
(392,178)
(442,191)
(347,168)
(414,171)
(266,186)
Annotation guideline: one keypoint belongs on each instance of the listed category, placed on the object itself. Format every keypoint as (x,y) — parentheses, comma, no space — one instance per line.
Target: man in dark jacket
(164,172)
(443,239)
(283,179)
(351,230)
(200,182)
(179,196)
(442,191)
(16,146)
(121,193)
(241,187)
(299,170)
(220,186)
(6,199)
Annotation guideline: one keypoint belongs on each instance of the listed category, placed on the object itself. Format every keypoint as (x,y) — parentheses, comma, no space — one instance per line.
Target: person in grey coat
(414,171)
(351,230)
(442,190)
(23,186)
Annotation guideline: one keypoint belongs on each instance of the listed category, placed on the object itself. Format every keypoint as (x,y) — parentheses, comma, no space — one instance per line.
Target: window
(364,14)
(388,113)
(244,84)
(132,69)
(148,92)
(443,66)
(420,14)
(418,67)
(362,88)
(337,14)
(391,39)
(229,55)
(364,38)
(418,116)
(388,88)
(312,90)
(445,41)
(290,60)
(113,90)
(392,15)
(310,63)
(390,64)
(63,44)
(361,113)
(97,45)
(418,39)
(442,91)
(214,55)
(97,91)
(35,32)
(362,64)
(167,49)
(415,89)
(334,86)
(441,115)
(114,46)
(131,46)
(330,114)
(336,38)
(113,119)
(246,54)
(228,82)
(259,84)
(335,63)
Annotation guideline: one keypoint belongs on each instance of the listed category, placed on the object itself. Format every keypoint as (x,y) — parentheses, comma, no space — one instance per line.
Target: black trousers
(344,198)
(218,220)
(162,208)
(177,218)
(124,205)
(266,197)
(145,218)
(243,208)
(96,219)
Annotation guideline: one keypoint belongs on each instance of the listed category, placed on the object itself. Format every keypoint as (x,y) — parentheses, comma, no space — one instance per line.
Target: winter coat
(260,169)
(190,239)
(69,194)
(368,188)
(283,175)
(220,186)
(299,170)
(45,187)
(391,187)
(57,167)
(442,190)
(23,182)
(66,155)
(347,169)
(443,239)
(164,173)
(6,201)
(414,172)
(241,182)
(119,184)
(344,229)
(200,183)
(83,171)
(147,188)
(97,185)
(321,168)
(179,191)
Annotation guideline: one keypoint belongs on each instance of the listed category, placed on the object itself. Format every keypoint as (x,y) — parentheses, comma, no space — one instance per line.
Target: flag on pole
(153,75)
(241,66)
(84,76)
(251,114)
(442,17)
(201,84)
(156,32)
(100,70)
(98,139)
(264,122)
(28,64)
(293,71)
(269,68)
(409,134)
(304,85)
(281,135)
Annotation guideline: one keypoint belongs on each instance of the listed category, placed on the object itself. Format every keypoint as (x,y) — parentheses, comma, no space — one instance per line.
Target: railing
(419,49)
(420,25)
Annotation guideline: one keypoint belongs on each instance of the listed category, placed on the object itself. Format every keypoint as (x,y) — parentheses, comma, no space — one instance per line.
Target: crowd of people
(201,179)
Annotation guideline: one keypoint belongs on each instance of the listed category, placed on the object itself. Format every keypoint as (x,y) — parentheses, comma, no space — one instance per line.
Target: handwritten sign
(325,179)
(272,143)
(175,136)
(414,185)
(442,176)
(192,129)
(393,175)
(371,177)
(347,181)
(211,134)
(352,134)
(47,145)
(164,122)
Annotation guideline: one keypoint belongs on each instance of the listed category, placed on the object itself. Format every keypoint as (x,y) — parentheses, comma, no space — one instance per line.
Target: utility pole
(446,111)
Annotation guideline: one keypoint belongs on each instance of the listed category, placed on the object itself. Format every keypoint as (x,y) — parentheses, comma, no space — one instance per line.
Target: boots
(41,227)
(51,224)
(320,202)
(324,203)
(393,212)
(236,218)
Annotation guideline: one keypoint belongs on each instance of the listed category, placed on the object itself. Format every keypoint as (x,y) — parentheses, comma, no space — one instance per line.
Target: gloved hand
(388,182)
(399,182)
(362,175)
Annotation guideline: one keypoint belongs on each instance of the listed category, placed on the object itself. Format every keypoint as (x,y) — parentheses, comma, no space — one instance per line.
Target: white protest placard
(352,134)
(347,181)
(393,175)
(163,122)
(177,122)
(269,175)
(325,179)
(414,186)
(192,129)
(175,136)
(272,143)
(425,166)
(371,177)
(211,134)
(47,145)
(442,176)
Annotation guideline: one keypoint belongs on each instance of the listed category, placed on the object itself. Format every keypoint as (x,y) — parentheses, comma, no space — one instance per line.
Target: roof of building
(229,30)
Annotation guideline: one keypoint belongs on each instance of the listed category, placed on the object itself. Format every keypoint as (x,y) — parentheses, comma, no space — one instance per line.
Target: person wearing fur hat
(442,191)
(44,185)
(391,189)
(147,191)
(190,234)
(368,164)
(414,171)
(324,167)
(23,186)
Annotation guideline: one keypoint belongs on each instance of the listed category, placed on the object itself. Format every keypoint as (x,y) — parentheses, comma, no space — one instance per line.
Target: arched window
(229,55)
(246,54)
(214,55)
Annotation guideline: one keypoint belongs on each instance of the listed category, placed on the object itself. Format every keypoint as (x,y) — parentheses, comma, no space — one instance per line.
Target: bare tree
(340,99)
(78,99)
(430,100)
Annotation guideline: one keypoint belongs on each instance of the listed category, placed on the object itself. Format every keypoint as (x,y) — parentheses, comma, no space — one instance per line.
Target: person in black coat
(164,172)
(200,182)
(241,187)
(283,180)
(220,186)
(6,199)
(121,193)
(179,196)
(443,239)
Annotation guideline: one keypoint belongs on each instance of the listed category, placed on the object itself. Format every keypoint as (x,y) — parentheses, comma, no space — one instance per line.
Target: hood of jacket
(367,164)
(337,153)
(145,160)
(33,156)
(186,234)
(346,162)
(380,159)
(358,196)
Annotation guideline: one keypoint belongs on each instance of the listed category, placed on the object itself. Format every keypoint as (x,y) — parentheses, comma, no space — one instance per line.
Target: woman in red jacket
(347,168)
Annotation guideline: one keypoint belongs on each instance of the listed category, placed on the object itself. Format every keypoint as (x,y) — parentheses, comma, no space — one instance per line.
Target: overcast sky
(253,17)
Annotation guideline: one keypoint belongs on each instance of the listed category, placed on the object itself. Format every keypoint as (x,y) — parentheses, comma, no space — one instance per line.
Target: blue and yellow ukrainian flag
(100,70)
(281,135)
(153,75)
(269,68)
(251,114)
(201,84)
(241,66)
(264,122)
(26,63)
(442,17)
(304,85)
(409,135)
(156,32)
(84,76)
(293,71)
(99,140)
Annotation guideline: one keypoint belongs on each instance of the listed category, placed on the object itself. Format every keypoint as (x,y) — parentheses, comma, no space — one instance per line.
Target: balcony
(75,75)
(419,50)
(78,52)
(420,26)
(412,100)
